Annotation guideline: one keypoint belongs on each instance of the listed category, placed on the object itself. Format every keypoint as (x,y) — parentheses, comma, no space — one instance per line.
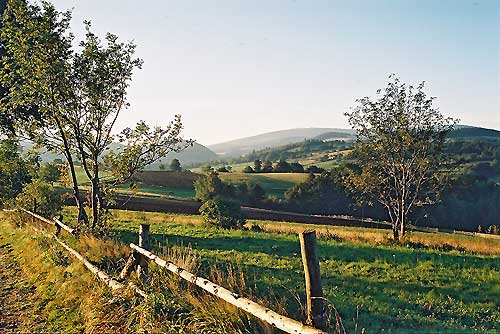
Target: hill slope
(474,132)
(195,154)
(235,148)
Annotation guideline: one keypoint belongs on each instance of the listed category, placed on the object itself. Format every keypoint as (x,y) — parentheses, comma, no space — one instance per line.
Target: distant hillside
(192,155)
(196,154)
(335,136)
(474,132)
(238,147)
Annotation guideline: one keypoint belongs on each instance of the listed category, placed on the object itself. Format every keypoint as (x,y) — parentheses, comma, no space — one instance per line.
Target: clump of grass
(179,306)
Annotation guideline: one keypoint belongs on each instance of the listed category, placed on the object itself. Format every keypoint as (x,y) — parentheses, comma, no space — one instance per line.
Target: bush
(248,169)
(210,186)
(222,213)
(48,202)
(14,171)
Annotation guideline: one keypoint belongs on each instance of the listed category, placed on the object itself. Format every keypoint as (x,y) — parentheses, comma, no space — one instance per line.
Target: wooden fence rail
(111,282)
(56,222)
(281,322)
(286,324)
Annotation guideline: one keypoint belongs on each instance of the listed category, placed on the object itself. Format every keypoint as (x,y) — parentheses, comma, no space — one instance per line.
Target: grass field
(274,184)
(148,190)
(434,283)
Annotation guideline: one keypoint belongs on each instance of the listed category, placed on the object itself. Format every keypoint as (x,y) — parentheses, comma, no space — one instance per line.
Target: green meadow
(439,283)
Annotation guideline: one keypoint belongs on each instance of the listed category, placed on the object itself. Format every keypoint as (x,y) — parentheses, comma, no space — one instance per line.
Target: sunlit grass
(431,283)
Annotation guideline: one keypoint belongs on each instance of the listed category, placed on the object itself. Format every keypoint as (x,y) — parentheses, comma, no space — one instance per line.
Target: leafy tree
(78,97)
(101,74)
(35,68)
(145,145)
(175,165)
(14,171)
(209,186)
(257,166)
(48,202)
(10,116)
(296,167)
(399,150)
(49,173)
(222,213)
(162,167)
(248,169)
(282,167)
(256,193)
(322,194)
(314,169)
(267,167)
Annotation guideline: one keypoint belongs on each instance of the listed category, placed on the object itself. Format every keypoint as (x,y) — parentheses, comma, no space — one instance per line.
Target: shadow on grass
(330,250)
(385,306)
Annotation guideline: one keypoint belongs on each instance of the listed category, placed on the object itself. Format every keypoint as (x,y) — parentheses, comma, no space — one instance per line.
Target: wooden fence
(138,261)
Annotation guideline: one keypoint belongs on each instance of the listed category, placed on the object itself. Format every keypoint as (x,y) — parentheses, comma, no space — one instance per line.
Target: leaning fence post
(142,268)
(34,210)
(316,310)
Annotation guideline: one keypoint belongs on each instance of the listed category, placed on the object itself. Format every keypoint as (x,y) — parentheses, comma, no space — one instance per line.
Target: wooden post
(316,310)
(58,227)
(142,268)
(284,323)
(34,210)
(131,265)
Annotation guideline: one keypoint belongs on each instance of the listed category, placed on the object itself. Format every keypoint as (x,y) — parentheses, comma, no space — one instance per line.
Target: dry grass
(74,301)
(70,299)
(472,244)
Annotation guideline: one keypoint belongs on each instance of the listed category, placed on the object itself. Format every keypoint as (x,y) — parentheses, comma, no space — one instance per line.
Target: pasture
(432,283)
(274,184)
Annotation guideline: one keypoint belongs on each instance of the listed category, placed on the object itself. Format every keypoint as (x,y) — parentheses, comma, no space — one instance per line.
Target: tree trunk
(82,215)
(402,230)
(395,230)
(95,196)
(402,222)
(95,203)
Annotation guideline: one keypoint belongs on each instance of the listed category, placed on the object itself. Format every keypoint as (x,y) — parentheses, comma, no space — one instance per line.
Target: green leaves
(398,148)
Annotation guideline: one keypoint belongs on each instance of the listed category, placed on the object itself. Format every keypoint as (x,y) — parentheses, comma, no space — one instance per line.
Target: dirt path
(16,295)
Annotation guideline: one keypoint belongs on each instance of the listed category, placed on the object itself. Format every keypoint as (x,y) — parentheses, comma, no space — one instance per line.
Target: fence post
(316,310)
(142,268)
(34,211)
(58,227)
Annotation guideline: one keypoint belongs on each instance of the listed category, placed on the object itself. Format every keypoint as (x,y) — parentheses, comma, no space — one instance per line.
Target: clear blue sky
(238,68)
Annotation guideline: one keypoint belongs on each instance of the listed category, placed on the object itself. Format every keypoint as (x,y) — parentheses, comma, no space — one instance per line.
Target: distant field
(180,184)
(435,283)
(145,190)
(274,184)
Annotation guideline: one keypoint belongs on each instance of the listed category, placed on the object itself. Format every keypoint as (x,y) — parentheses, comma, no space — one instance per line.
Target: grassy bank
(69,299)
(433,283)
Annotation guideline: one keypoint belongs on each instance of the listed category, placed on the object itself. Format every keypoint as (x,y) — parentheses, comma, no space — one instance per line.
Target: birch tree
(399,150)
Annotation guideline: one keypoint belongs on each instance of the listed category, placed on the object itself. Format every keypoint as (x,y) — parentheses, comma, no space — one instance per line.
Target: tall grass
(73,301)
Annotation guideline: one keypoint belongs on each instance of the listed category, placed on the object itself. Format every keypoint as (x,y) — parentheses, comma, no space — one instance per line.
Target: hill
(192,155)
(238,147)
(195,154)
(464,132)
(335,136)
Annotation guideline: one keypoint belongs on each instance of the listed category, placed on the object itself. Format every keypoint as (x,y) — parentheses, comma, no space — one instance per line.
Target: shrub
(48,202)
(222,213)
(210,186)
(248,169)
